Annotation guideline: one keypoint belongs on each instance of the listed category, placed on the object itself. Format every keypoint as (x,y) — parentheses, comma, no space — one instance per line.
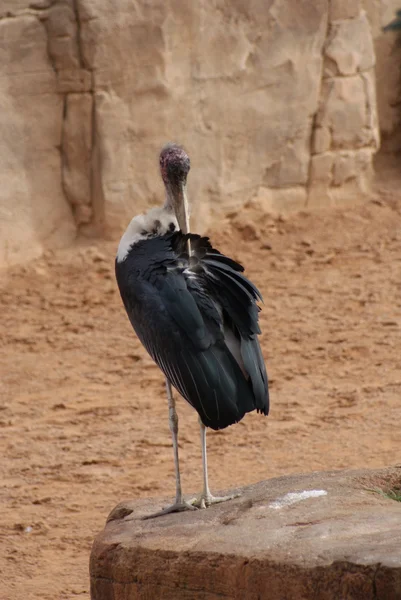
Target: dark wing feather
(222,267)
(208,378)
(179,307)
(182,307)
(237,295)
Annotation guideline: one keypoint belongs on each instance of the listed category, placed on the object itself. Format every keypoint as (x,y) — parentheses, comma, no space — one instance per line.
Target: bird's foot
(176,507)
(206,500)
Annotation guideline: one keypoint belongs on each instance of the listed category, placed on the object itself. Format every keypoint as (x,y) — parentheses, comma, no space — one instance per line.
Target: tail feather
(254,365)
(221,265)
(215,386)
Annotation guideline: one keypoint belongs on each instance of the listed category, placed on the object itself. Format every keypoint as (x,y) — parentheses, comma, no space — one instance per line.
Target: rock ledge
(321,535)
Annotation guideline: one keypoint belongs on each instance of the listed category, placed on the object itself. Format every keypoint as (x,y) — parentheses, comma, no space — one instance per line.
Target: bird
(196,314)
(395,24)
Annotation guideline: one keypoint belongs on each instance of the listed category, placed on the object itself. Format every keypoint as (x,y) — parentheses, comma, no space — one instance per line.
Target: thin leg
(206,490)
(173,423)
(179,504)
(205,499)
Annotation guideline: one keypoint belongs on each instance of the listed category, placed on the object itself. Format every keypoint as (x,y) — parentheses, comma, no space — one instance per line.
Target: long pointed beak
(181,207)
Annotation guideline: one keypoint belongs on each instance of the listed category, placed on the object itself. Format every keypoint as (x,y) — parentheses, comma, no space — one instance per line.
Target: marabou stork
(196,315)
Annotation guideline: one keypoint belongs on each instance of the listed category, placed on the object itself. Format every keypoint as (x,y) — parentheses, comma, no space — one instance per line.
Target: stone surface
(342,9)
(321,141)
(62,35)
(245,119)
(346,111)
(388,60)
(322,535)
(77,154)
(33,211)
(349,47)
(351,165)
(321,168)
(380,12)
(240,86)
(330,171)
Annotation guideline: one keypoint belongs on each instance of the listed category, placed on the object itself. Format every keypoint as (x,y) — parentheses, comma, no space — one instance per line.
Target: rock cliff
(275,101)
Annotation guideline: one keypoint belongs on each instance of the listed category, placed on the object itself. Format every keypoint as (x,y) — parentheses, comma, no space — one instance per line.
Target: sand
(83,413)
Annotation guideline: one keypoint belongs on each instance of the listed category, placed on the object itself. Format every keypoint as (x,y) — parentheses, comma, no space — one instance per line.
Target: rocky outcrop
(388,71)
(346,133)
(33,211)
(275,103)
(238,87)
(326,536)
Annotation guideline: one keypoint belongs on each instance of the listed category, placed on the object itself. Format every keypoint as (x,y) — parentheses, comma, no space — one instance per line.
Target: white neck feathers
(157,221)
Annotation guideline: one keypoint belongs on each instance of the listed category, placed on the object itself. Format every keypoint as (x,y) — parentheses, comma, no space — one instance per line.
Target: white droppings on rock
(293,497)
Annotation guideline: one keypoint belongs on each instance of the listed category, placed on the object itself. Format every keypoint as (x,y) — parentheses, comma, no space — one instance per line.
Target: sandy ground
(83,414)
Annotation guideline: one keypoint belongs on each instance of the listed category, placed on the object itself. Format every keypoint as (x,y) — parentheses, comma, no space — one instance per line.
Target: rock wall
(346,133)
(274,101)
(33,209)
(388,71)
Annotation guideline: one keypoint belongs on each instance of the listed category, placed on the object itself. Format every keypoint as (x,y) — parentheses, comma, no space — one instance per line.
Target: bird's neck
(177,201)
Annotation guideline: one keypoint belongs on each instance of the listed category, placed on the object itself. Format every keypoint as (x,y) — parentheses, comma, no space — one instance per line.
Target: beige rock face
(33,210)
(346,132)
(342,9)
(255,91)
(236,86)
(77,154)
(380,12)
(325,536)
(388,60)
(349,46)
(346,112)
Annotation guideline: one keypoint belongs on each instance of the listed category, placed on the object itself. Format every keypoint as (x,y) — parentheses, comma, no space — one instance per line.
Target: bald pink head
(174,164)
(174,168)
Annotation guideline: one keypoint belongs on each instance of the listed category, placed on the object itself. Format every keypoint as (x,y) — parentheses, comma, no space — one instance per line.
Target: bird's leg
(205,499)
(179,504)
(173,423)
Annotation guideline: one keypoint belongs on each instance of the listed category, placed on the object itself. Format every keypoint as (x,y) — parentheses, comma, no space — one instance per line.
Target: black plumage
(188,311)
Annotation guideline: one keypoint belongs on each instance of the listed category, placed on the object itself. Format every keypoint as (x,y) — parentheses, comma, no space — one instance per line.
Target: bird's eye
(171,227)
